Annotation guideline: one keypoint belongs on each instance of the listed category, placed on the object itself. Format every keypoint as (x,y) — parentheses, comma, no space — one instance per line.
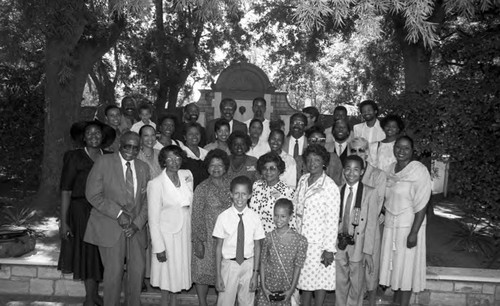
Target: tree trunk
(416,60)
(67,67)
(417,57)
(62,110)
(173,93)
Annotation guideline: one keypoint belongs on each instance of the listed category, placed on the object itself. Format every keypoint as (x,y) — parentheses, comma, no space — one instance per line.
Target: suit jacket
(298,160)
(165,206)
(364,233)
(210,130)
(378,179)
(106,192)
(344,154)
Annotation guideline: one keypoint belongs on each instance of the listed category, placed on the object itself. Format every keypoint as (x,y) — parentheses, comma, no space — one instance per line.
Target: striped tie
(129,182)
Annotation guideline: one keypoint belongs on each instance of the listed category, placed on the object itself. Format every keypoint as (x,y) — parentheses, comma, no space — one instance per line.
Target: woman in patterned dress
(211,198)
(239,162)
(402,262)
(270,188)
(317,203)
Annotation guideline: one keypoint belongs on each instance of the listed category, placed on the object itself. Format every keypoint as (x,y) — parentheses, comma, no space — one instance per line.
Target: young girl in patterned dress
(282,257)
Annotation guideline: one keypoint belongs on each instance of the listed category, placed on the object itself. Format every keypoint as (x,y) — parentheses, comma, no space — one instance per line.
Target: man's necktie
(240,242)
(296,149)
(129,182)
(347,213)
(340,149)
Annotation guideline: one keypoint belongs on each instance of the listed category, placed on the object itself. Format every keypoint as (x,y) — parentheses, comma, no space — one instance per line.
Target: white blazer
(165,204)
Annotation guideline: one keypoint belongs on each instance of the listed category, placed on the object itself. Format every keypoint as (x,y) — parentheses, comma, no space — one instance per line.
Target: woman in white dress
(317,203)
(392,125)
(408,190)
(170,196)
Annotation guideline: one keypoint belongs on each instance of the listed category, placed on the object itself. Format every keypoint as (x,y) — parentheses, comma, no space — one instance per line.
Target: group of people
(263,216)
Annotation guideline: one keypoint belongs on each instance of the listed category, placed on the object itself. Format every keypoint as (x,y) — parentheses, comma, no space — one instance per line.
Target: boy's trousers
(237,283)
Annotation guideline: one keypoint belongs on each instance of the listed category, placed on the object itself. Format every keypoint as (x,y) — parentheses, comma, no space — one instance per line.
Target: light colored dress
(407,193)
(317,211)
(385,156)
(169,213)
(263,199)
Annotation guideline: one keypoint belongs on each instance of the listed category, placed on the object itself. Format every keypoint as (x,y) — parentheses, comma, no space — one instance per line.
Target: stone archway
(244,82)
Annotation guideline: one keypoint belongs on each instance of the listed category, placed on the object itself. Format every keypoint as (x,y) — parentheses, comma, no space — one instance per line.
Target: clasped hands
(125,221)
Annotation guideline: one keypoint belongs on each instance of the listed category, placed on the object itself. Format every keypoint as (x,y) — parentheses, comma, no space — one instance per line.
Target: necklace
(147,156)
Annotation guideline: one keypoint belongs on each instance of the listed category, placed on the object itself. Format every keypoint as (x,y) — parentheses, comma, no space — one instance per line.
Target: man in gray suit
(116,188)
(227,109)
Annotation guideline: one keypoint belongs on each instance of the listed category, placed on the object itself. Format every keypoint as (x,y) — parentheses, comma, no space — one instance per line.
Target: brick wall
(38,280)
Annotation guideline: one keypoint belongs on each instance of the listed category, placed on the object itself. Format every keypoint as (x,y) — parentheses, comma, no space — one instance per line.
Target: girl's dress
(292,253)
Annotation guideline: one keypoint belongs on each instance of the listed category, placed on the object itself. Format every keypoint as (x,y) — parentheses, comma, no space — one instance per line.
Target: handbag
(294,297)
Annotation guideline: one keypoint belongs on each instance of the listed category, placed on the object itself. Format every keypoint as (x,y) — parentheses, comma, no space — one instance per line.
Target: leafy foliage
(461,117)
(18,216)
(311,14)
(21,122)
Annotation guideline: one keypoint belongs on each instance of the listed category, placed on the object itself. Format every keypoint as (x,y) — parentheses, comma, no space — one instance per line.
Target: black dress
(78,257)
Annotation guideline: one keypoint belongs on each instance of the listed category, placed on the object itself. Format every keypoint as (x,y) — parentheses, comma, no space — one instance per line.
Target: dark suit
(301,166)
(237,126)
(344,154)
(106,192)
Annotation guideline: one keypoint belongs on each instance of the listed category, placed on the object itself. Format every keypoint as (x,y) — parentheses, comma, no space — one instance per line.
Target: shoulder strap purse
(296,300)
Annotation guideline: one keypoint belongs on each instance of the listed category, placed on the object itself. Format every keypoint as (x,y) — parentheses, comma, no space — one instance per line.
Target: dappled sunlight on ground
(47,246)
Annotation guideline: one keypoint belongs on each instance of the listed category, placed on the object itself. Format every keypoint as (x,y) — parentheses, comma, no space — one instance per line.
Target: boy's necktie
(240,242)
(347,212)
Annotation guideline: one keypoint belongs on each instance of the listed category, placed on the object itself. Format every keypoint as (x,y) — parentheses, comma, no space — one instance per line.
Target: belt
(234,259)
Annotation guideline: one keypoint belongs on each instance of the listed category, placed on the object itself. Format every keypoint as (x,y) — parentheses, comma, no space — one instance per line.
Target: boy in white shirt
(356,238)
(238,230)
(145,115)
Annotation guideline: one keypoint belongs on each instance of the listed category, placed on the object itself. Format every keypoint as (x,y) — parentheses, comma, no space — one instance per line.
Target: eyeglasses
(130,147)
(272,168)
(316,140)
(360,150)
(174,159)
(299,123)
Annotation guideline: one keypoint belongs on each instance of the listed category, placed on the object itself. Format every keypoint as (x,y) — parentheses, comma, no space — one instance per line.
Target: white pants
(237,283)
